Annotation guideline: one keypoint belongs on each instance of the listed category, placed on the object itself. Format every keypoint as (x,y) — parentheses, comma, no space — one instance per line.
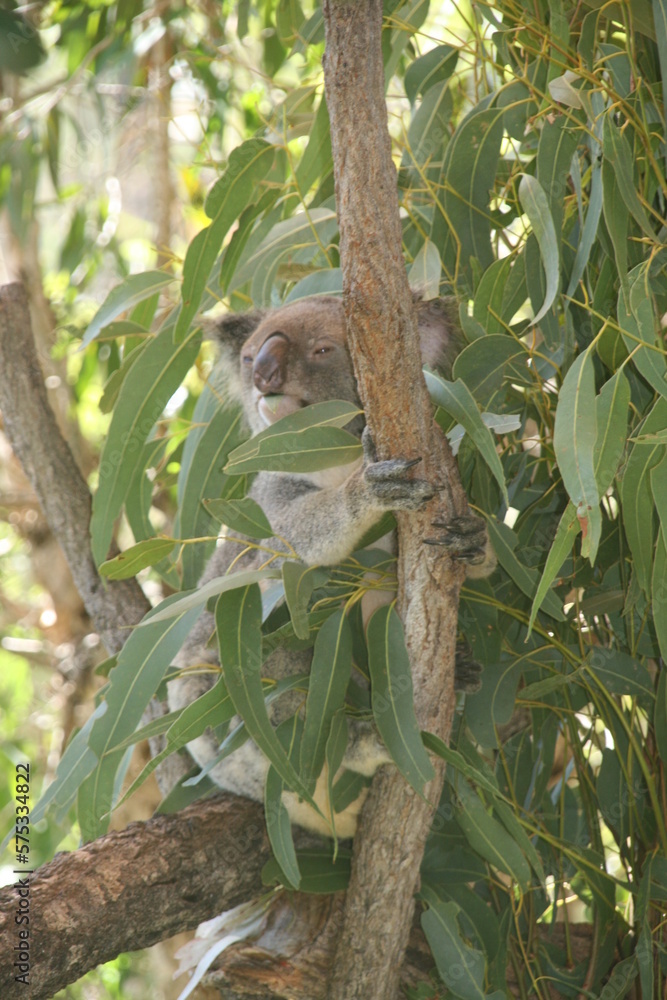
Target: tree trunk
(385,352)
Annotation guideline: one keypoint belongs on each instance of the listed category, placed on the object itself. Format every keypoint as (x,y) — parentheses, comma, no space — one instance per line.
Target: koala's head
(280,360)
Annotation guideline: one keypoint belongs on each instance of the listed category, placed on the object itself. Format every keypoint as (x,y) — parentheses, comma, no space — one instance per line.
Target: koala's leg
(467,671)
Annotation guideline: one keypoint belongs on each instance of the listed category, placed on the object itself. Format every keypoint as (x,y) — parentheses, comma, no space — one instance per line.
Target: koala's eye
(323,349)
(247,359)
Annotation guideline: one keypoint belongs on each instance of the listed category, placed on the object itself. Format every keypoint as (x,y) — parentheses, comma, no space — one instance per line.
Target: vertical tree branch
(385,351)
(49,465)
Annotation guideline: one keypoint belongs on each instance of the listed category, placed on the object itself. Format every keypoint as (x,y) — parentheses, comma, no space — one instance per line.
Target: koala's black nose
(270,368)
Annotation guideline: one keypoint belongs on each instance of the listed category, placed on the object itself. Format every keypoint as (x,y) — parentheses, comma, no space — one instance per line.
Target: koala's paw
(465,539)
(387,483)
(467,672)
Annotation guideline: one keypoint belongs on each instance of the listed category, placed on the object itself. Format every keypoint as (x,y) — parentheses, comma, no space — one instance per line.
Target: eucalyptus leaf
(391,697)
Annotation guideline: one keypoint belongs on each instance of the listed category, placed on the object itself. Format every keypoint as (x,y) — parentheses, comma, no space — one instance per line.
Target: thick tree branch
(385,351)
(131,889)
(49,464)
(30,425)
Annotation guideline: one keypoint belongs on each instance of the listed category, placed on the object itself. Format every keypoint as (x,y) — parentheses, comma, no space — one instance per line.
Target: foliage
(532,152)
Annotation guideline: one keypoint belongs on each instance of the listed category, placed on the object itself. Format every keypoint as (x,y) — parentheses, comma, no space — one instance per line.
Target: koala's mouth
(276,405)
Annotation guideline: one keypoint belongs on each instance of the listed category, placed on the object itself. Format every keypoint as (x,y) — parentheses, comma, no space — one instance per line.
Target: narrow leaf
(391,697)
(248,166)
(329,676)
(561,547)
(137,557)
(243,516)
(123,297)
(536,206)
(238,616)
(141,401)
(575,436)
(456,399)
(307,440)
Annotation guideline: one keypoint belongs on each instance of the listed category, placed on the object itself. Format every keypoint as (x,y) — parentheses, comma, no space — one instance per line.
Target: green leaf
(211,709)
(329,677)
(142,664)
(561,547)
(299,582)
(278,824)
(247,167)
(536,206)
(486,836)
(558,141)
(238,617)
(305,441)
(504,541)
(618,153)
(636,495)
(660,711)
(640,326)
(316,160)
(301,238)
(575,437)
(495,304)
(616,219)
(391,697)
(333,756)
(460,967)
(591,224)
(114,382)
(462,222)
(216,431)
(320,873)
(486,365)
(660,19)
(138,504)
(244,516)
(659,597)
(77,762)
(456,399)
(428,135)
(425,272)
(612,409)
(123,297)
(178,604)
(141,401)
(618,673)
(434,67)
(137,557)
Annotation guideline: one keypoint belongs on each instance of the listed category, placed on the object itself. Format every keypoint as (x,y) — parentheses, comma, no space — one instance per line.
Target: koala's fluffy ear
(440,333)
(232,331)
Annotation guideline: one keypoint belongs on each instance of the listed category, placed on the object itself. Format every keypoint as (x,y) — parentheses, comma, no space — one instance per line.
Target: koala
(276,362)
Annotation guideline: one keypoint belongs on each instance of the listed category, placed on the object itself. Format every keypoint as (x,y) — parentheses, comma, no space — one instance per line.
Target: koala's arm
(325,524)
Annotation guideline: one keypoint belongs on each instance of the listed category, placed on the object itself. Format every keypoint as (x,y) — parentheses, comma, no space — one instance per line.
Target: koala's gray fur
(277,362)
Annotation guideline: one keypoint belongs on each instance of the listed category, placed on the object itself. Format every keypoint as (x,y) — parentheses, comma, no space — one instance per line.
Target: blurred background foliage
(531,147)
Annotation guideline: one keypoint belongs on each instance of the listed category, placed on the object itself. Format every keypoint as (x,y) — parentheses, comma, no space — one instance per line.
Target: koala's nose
(270,368)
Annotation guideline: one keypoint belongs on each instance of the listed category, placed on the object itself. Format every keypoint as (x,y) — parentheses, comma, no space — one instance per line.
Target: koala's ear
(232,331)
(440,333)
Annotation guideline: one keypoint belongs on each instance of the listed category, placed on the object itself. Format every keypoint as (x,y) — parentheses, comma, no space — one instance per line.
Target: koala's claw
(465,538)
(387,483)
(467,671)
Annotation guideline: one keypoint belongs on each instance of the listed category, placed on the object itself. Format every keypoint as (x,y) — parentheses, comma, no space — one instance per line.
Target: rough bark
(385,352)
(47,460)
(49,464)
(131,889)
